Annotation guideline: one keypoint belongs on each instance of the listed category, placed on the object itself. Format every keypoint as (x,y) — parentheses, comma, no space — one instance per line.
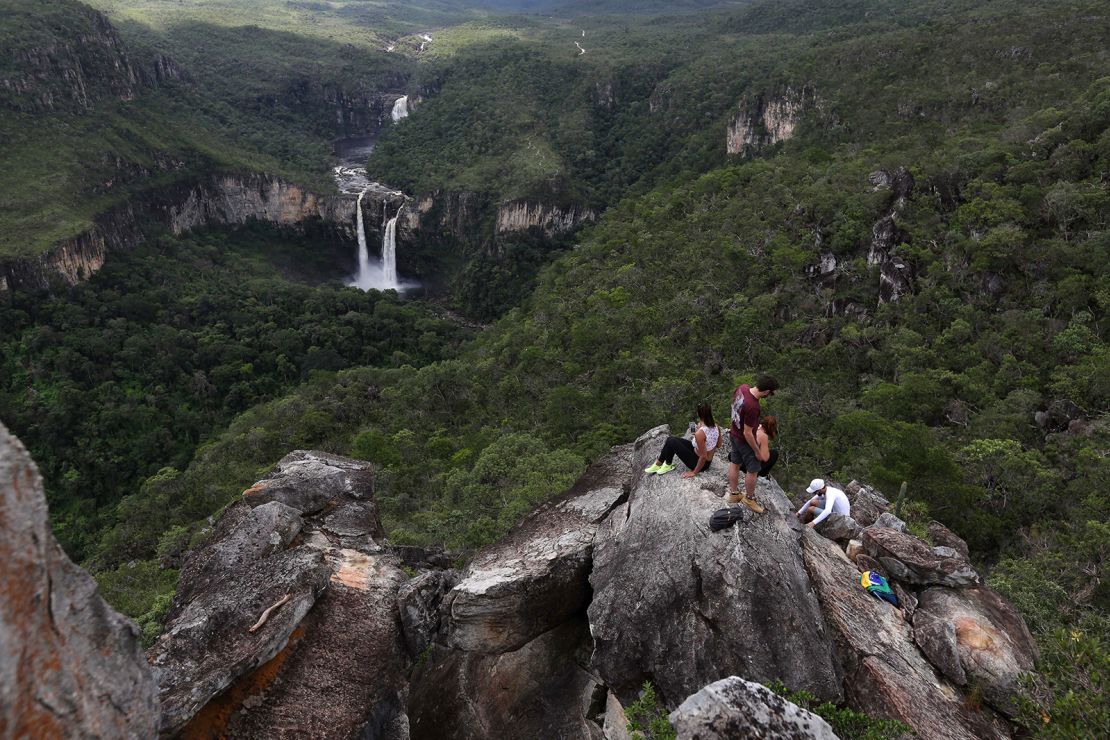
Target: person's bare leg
(749,484)
(733,477)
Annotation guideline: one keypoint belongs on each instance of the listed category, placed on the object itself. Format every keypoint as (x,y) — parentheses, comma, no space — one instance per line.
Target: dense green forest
(924,264)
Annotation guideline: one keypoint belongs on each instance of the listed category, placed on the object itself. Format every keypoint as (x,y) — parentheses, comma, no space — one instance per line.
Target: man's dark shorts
(742,455)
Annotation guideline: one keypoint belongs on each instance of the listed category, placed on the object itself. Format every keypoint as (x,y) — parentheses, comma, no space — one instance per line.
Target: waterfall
(372,275)
(400,108)
(389,251)
(364,278)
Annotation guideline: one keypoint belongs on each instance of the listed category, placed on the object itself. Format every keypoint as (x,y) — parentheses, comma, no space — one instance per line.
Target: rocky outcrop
(70,666)
(906,558)
(867,503)
(330,659)
(524,215)
(975,637)
(734,708)
(767,120)
(510,645)
(681,606)
(884,672)
(895,275)
(221,200)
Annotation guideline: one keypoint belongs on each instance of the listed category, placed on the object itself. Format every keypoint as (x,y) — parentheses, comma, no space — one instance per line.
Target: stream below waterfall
(377,268)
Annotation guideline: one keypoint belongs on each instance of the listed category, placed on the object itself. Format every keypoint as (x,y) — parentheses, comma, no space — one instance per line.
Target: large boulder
(906,558)
(541,690)
(885,673)
(974,636)
(733,708)
(537,577)
(942,535)
(506,654)
(307,481)
(343,674)
(682,606)
(70,666)
(841,528)
(207,644)
(867,503)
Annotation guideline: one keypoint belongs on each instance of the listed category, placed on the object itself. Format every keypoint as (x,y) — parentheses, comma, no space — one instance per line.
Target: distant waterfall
(364,278)
(400,108)
(371,275)
(389,250)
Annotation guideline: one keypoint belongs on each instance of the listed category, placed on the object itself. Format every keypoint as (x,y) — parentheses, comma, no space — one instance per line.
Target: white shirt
(835,503)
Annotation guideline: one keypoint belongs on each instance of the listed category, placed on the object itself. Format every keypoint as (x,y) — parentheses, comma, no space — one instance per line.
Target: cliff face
(767,120)
(224,199)
(70,666)
(524,215)
(70,57)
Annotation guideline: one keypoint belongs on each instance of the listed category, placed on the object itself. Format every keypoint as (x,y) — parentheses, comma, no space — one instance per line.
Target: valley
(478,244)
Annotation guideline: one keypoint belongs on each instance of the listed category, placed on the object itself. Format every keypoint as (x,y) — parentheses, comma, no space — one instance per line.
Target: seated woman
(696,454)
(767,430)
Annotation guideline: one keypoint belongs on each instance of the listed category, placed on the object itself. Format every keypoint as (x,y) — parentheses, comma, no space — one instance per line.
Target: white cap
(815,485)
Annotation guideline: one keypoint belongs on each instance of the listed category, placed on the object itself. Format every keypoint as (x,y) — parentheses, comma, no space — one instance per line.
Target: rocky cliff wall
(767,120)
(524,215)
(220,200)
(70,666)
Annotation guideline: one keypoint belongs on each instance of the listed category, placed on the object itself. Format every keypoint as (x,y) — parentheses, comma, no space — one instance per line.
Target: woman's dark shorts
(744,456)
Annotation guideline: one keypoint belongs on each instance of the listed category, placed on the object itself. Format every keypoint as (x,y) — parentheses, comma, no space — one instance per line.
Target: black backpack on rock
(723,518)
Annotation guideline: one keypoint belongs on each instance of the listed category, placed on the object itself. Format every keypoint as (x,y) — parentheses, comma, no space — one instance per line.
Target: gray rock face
(867,503)
(537,577)
(975,636)
(942,535)
(243,535)
(887,520)
(309,481)
(70,666)
(840,528)
(908,559)
(734,708)
(541,690)
(419,601)
(507,655)
(885,673)
(206,645)
(344,672)
(682,606)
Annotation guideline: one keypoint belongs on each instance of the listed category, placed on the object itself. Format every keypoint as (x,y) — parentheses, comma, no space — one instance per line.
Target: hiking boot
(664,468)
(733,498)
(752,504)
(653,468)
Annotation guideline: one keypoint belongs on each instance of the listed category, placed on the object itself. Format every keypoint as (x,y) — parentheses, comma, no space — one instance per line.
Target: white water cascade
(389,251)
(400,109)
(372,276)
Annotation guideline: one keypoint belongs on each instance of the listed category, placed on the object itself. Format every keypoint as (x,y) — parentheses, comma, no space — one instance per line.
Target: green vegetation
(703,271)
(129,373)
(647,718)
(845,722)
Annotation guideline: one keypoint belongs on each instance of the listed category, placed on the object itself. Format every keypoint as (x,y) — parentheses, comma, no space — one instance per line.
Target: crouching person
(826,500)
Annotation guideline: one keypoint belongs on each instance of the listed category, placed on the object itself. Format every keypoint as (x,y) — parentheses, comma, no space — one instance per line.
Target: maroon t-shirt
(745,410)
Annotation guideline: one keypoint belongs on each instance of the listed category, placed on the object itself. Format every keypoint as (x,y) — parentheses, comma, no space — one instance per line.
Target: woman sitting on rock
(697,454)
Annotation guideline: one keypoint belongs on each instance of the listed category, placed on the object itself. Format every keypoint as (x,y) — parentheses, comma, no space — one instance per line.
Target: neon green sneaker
(654,467)
(664,468)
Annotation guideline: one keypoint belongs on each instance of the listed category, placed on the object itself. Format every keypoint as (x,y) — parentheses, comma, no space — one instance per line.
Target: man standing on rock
(745,418)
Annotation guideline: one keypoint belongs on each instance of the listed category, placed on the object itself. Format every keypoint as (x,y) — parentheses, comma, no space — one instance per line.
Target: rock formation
(734,708)
(524,215)
(70,666)
(767,121)
(513,647)
(329,660)
(682,606)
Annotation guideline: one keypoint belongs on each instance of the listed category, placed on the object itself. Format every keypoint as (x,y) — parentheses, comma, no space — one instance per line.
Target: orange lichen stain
(211,722)
(353,570)
(969,632)
(256,488)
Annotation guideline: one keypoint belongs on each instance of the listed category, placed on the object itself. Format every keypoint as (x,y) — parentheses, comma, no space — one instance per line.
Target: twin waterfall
(370,276)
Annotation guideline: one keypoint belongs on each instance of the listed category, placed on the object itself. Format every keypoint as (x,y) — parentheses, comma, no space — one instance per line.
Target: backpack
(722,518)
(877,586)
